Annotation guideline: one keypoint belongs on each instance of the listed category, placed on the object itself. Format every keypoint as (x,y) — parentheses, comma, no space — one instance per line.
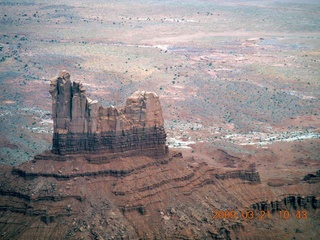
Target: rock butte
(111,176)
(82,126)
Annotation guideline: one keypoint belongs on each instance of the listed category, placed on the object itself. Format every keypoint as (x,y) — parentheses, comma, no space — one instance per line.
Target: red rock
(106,188)
(81,125)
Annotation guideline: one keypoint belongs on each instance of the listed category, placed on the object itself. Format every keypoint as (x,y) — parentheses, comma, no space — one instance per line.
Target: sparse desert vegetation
(237,66)
(239,86)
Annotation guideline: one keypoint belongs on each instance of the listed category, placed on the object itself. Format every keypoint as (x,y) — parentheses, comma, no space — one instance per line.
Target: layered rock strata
(82,126)
(139,197)
(109,189)
(311,178)
(289,202)
(128,191)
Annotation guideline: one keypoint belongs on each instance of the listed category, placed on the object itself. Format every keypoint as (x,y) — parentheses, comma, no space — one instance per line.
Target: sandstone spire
(81,125)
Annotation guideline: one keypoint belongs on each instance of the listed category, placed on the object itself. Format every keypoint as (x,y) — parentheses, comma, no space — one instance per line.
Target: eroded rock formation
(81,125)
(289,202)
(311,178)
(101,184)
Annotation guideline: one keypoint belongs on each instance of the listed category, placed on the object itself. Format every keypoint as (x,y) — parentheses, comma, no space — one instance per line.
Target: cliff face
(119,193)
(81,125)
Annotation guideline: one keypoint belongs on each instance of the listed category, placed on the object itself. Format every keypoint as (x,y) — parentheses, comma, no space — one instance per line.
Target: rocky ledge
(312,178)
(111,176)
(82,126)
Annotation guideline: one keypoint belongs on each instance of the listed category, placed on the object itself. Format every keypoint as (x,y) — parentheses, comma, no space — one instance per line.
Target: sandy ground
(238,80)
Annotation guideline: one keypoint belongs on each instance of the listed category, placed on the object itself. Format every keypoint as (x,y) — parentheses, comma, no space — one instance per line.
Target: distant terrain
(229,73)
(239,81)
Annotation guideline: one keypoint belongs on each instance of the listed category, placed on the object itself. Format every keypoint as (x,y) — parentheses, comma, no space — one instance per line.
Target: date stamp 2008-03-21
(260,215)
